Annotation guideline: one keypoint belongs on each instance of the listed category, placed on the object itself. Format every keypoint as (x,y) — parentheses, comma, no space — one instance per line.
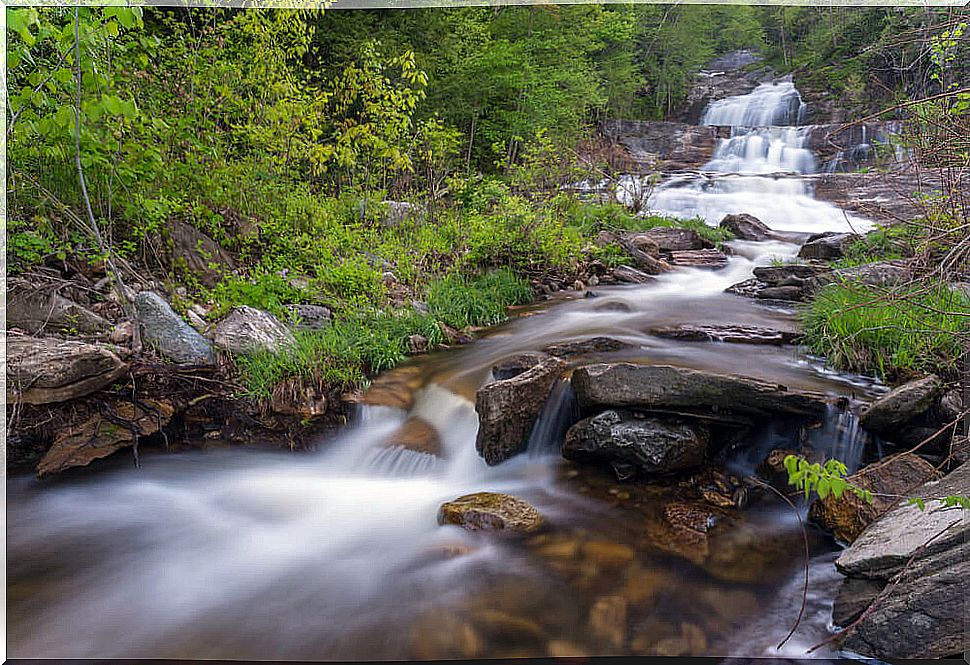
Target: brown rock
(673,239)
(197,252)
(607,621)
(441,634)
(901,405)
(490,511)
(606,554)
(732,334)
(38,308)
(47,370)
(418,435)
(746,227)
(587,346)
(711,259)
(395,389)
(631,275)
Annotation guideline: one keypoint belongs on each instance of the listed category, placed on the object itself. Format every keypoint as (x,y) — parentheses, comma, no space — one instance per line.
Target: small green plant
(822,478)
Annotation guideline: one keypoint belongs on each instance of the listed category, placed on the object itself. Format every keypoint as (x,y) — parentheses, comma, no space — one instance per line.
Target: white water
(246,555)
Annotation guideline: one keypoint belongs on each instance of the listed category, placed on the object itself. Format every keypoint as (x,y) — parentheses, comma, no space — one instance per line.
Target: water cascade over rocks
(251,555)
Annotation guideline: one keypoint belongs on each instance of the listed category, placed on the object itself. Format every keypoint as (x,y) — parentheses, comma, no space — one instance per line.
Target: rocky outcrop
(35,309)
(670,145)
(901,405)
(711,259)
(247,330)
(488,511)
(792,282)
(827,246)
(896,476)
(509,406)
(169,334)
(928,556)
(47,370)
(630,275)
(198,253)
(673,239)
(629,441)
(663,386)
(746,227)
(731,334)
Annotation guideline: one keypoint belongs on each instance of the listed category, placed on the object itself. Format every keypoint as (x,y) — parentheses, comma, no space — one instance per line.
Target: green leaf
(823,488)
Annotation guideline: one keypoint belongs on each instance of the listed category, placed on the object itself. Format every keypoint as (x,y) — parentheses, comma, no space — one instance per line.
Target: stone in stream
(509,406)
(827,246)
(672,239)
(923,616)
(732,334)
(712,259)
(247,330)
(650,445)
(901,405)
(612,385)
(631,275)
(44,370)
(776,275)
(746,227)
(490,511)
(169,334)
(600,344)
(895,476)
(416,434)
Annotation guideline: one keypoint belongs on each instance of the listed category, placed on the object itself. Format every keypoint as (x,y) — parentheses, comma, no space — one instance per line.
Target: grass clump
(460,301)
(912,329)
(883,244)
(591,218)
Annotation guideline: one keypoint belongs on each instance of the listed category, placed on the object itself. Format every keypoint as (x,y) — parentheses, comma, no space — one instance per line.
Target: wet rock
(775,275)
(609,385)
(711,259)
(121,333)
(516,365)
(673,239)
(503,627)
(417,344)
(879,273)
(901,405)
(746,227)
(508,408)
(441,634)
(44,370)
(892,477)
(418,435)
(309,317)
(727,333)
(395,389)
(827,246)
(606,554)
(565,649)
(690,642)
(35,309)
(607,621)
(587,346)
(748,288)
(197,252)
(631,275)
(788,293)
(853,597)
(99,437)
(169,334)
(490,511)
(651,445)
(454,336)
(298,400)
(248,330)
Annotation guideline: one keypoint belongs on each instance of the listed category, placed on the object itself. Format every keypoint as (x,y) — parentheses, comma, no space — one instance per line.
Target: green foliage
(883,244)
(822,478)
(480,301)
(913,328)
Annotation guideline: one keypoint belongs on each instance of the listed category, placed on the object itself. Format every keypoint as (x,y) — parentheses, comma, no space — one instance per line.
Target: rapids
(338,555)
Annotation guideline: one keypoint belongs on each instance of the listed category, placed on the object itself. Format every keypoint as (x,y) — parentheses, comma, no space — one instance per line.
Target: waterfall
(767,105)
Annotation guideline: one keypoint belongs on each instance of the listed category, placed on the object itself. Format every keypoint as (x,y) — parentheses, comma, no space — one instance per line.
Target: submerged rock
(509,406)
(418,435)
(490,511)
(731,334)
(169,334)
(901,405)
(651,445)
(44,370)
(746,227)
(583,347)
(247,330)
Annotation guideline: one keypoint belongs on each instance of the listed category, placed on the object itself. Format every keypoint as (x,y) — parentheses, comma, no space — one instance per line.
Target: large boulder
(847,516)
(604,386)
(489,511)
(927,553)
(672,239)
(169,334)
(44,370)
(34,309)
(509,406)
(746,227)
(827,246)
(901,405)
(647,444)
(247,330)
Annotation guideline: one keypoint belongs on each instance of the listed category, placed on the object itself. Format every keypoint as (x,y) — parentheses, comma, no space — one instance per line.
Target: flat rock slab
(44,370)
(727,333)
(489,511)
(631,275)
(711,259)
(673,239)
(610,385)
(776,275)
(582,347)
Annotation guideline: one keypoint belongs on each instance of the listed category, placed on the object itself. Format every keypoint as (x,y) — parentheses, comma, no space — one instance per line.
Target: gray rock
(631,275)
(169,334)
(35,309)
(673,239)
(731,334)
(827,246)
(44,370)
(901,405)
(789,293)
(746,227)
(880,273)
(951,406)
(309,317)
(663,386)
(651,445)
(509,407)
(247,329)
(197,252)
(711,259)
(775,275)
(853,597)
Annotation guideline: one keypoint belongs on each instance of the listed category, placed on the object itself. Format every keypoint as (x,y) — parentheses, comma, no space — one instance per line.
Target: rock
(711,259)
(565,649)
(490,511)
(516,365)
(644,252)
(748,288)
(171,336)
(586,346)
(727,333)
(299,400)
(395,389)
(121,333)
(643,242)
(951,406)
(651,445)
(247,330)
(453,336)
(901,405)
(775,275)
(98,437)
(47,370)
(607,621)
(789,293)
(309,317)
(416,434)
(508,407)
(853,597)
(398,212)
(746,227)
(610,385)
(417,344)
(879,273)
(631,275)
(35,309)
(195,320)
(606,554)
(827,246)
(503,627)
(673,239)
(895,476)
(440,635)
(197,252)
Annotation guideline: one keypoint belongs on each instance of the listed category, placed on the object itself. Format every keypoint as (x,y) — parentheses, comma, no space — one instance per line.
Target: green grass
(883,244)
(913,330)
(460,301)
(591,218)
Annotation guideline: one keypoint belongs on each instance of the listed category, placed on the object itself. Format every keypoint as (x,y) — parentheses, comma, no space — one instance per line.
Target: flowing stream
(338,555)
